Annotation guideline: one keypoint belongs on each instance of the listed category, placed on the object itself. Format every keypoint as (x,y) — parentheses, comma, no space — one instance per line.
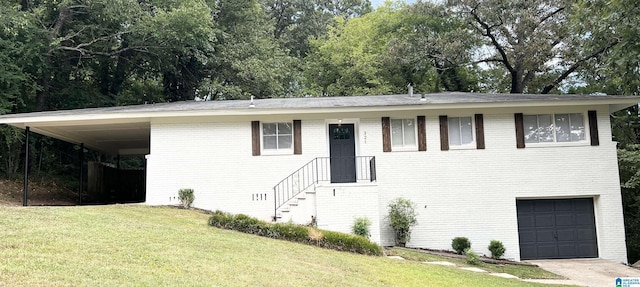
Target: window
(403,133)
(277,136)
(460,131)
(548,128)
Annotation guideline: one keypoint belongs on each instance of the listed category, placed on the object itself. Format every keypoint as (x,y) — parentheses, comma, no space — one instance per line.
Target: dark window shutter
(386,134)
(444,133)
(519,118)
(479,131)
(255,137)
(422,134)
(297,137)
(593,128)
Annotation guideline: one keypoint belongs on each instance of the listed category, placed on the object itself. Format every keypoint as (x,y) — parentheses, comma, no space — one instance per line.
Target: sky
(377,3)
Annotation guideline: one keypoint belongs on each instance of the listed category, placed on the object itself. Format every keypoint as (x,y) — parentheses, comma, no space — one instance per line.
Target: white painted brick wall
(468,193)
(339,205)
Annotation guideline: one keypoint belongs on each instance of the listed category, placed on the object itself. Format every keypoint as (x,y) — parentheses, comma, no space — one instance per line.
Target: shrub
(289,232)
(497,249)
(295,233)
(361,227)
(221,219)
(460,244)
(186,196)
(472,257)
(349,242)
(402,217)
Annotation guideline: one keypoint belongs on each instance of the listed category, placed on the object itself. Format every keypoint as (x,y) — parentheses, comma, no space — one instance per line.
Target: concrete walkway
(585,272)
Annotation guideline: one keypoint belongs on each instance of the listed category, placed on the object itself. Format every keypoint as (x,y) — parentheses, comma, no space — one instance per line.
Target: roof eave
(146,116)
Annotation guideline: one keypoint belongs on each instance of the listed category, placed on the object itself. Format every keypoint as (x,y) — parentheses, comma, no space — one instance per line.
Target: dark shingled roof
(329,102)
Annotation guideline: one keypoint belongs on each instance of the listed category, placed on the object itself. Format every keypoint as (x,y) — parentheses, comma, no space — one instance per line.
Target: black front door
(342,147)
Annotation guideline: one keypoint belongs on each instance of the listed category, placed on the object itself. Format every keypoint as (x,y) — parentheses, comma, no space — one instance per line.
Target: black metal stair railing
(315,171)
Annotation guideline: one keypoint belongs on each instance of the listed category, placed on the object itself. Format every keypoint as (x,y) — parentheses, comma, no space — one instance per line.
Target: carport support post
(81,174)
(25,191)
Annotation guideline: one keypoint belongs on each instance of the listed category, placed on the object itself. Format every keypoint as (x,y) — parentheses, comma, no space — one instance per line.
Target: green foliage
(295,22)
(350,243)
(295,233)
(186,197)
(629,168)
(497,249)
(472,257)
(383,51)
(361,227)
(11,143)
(522,37)
(460,244)
(402,217)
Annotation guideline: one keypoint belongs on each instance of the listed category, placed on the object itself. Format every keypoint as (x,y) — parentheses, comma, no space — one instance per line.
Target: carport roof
(126,129)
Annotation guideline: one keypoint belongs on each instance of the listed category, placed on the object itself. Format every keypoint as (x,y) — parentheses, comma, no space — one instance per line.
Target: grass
(146,246)
(521,271)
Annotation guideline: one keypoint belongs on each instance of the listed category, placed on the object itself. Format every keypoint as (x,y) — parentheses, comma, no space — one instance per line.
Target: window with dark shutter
(444,133)
(255,137)
(479,131)
(386,134)
(422,133)
(519,120)
(297,137)
(593,128)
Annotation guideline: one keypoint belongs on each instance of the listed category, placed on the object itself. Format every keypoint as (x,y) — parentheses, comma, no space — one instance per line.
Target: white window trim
(281,151)
(472,144)
(554,143)
(405,147)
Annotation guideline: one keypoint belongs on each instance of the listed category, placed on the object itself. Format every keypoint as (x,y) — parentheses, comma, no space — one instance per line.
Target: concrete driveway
(586,272)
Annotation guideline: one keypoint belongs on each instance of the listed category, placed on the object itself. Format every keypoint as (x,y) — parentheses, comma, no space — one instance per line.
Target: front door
(342,148)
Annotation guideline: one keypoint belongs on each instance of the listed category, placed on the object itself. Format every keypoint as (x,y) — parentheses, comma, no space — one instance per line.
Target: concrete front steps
(299,210)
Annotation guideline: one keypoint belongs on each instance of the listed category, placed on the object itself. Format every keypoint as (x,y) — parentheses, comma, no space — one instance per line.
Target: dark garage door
(557,228)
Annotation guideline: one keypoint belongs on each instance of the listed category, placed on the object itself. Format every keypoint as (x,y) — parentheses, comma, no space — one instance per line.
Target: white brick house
(537,172)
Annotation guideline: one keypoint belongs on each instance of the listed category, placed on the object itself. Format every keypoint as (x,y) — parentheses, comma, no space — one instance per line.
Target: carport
(107,130)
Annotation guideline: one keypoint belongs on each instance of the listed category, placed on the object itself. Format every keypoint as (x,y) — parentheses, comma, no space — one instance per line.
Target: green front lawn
(147,246)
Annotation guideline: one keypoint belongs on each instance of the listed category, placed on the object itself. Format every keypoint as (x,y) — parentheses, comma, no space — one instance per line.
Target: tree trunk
(516,83)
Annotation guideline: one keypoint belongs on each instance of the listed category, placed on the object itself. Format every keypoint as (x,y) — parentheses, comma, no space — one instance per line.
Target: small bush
(402,217)
(361,227)
(460,244)
(472,257)
(295,233)
(289,232)
(349,242)
(186,196)
(497,249)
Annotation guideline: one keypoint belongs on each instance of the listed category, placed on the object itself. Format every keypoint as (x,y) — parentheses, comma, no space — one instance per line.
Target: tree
(89,51)
(297,21)
(384,51)
(629,163)
(248,60)
(539,43)
(619,72)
